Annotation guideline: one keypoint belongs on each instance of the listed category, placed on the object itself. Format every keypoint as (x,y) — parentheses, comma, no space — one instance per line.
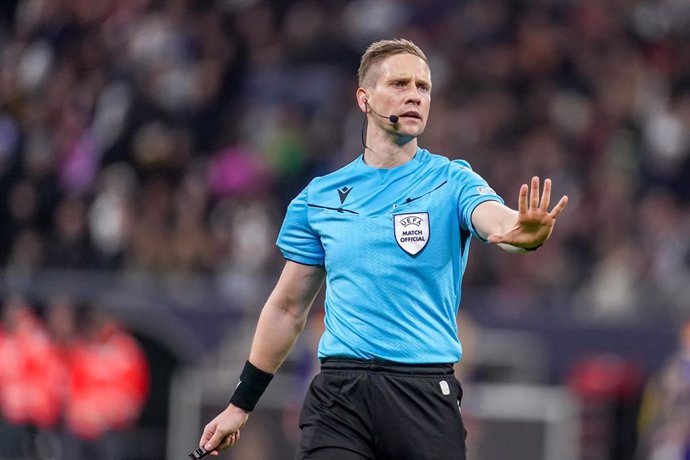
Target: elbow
(291,312)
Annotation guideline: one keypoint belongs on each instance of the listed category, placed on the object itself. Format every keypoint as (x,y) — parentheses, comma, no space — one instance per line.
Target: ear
(362,100)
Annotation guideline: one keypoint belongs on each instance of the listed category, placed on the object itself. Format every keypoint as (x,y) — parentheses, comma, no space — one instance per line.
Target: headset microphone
(391,118)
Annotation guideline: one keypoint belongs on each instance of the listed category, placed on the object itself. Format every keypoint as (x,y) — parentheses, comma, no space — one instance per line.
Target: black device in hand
(199,453)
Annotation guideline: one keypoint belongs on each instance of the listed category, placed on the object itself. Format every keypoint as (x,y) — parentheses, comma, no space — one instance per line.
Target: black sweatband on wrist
(534,248)
(252,384)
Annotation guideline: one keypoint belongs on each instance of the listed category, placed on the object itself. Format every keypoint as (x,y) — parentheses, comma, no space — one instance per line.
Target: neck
(386,151)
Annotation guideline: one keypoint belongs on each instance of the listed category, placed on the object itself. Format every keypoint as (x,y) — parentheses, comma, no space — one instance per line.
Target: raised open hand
(534,221)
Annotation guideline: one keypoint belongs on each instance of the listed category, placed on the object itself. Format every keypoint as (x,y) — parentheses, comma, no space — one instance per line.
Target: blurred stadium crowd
(70,383)
(167,136)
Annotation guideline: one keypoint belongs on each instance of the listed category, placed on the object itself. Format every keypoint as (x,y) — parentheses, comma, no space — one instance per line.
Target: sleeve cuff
(479,200)
(302,259)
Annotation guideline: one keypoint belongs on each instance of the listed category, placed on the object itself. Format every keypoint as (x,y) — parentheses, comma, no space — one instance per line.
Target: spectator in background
(70,246)
(109,384)
(665,414)
(32,376)
(60,323)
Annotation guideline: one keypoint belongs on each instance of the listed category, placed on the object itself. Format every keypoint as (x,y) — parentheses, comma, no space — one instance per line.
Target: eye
(398,84)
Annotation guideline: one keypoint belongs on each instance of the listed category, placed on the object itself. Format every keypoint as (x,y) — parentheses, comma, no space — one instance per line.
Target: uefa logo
(412,231)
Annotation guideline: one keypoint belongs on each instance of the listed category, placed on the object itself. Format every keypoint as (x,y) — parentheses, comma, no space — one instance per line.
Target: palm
(534,221)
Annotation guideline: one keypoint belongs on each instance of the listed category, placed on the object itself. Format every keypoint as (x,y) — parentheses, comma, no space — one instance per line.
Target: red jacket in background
(33,374)
(109,383)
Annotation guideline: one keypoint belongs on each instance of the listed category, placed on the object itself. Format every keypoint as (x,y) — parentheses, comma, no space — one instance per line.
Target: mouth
(411,114)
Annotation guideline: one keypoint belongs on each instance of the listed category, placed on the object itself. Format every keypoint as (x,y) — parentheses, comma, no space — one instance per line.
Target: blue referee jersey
(394,244)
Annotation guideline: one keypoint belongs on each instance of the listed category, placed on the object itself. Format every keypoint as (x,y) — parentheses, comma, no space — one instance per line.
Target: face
(402,86)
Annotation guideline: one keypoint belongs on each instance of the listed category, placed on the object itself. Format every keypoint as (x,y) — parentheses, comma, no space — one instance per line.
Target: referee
(390,234)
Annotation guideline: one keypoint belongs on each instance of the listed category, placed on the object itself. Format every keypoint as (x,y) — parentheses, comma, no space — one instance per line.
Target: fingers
(226,442)
(229,441)
(531,194)
(534,193)
(522,199)
(495,239)
(212,439)
(206,436)
(546,196)
(232,439)
(560,206)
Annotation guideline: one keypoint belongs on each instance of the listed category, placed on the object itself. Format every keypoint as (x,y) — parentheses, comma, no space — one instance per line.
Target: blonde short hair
(380,50)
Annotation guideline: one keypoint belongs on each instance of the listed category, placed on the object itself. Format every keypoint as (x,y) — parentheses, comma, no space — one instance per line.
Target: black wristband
(252,384)
(534,248)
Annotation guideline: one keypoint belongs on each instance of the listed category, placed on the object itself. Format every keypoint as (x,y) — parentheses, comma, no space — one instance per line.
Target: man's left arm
(525,229)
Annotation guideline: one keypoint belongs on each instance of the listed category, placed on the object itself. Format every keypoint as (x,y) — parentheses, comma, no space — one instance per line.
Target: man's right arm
(285,314)
(281,321)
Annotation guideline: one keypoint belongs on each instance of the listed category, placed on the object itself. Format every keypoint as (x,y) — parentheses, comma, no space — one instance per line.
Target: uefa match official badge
(412,231)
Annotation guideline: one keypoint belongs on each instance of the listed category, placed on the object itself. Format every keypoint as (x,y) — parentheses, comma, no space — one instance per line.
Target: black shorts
(377,410)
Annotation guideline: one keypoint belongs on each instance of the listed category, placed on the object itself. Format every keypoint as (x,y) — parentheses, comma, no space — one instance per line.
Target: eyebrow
(408,77)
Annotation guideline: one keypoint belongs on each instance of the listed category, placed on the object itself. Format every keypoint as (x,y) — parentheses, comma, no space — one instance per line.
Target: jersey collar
(409,165)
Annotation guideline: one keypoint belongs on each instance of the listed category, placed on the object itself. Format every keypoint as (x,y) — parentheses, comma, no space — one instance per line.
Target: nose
(413,96)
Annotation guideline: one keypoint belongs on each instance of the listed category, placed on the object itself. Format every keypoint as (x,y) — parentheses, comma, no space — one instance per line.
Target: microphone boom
(392,118)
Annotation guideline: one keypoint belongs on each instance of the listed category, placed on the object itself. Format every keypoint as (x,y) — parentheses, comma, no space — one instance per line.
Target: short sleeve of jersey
(472,190)
(297,240)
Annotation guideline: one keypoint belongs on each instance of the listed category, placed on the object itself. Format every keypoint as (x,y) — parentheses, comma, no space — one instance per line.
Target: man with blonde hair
(390,234)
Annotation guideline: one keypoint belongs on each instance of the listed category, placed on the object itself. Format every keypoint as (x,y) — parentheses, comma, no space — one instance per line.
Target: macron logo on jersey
(343,193)
(412,231)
